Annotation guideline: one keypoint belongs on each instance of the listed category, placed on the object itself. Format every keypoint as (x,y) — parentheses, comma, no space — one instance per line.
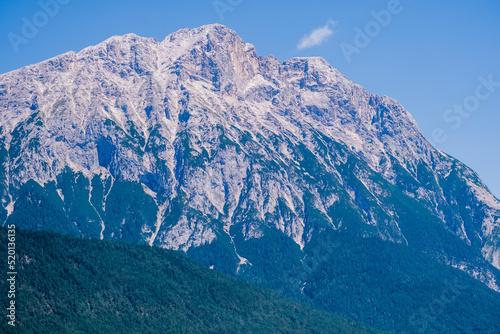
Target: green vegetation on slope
(71,285)
(393,287)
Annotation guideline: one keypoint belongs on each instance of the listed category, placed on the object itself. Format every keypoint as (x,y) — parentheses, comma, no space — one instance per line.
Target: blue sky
(439,59)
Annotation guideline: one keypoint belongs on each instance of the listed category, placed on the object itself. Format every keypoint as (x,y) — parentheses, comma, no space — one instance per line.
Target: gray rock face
(227,144)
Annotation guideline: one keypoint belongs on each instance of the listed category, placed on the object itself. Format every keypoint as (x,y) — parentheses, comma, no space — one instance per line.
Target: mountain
(71,285)
(246,163)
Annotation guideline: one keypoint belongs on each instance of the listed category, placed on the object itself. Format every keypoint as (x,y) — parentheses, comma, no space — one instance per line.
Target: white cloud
(317,36)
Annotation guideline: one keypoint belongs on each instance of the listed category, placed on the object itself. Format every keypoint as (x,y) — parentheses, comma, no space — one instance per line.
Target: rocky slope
(197,143)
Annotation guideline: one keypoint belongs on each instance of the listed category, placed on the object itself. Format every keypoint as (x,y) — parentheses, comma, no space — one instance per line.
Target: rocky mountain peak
(214,32)
(223,142)
(212,52)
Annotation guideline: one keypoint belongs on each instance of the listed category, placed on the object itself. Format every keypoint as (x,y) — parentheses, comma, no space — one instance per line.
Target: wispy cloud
(317,36)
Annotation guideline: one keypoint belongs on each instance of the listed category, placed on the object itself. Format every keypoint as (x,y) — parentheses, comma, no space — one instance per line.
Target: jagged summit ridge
(246,143)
